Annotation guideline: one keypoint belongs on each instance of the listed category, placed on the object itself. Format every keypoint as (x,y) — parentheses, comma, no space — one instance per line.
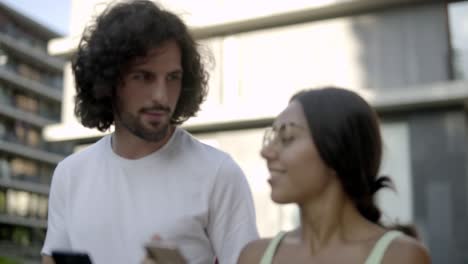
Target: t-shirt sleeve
(232,222)
(57,236)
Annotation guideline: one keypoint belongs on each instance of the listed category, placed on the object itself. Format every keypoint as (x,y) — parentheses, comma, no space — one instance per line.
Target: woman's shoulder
(253,251)
(405,249)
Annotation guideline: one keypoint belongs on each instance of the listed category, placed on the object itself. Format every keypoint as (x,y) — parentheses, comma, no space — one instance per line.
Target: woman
(323,153)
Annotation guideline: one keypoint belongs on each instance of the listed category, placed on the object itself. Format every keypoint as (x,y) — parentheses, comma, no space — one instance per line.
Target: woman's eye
(286,139)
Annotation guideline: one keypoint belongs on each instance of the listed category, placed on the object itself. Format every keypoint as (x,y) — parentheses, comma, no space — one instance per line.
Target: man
(138,68)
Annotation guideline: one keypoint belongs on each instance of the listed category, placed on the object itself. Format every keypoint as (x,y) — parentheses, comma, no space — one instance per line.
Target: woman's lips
(275,174)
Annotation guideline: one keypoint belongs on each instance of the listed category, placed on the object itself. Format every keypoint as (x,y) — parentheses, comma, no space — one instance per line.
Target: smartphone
(164,253)
(70,257)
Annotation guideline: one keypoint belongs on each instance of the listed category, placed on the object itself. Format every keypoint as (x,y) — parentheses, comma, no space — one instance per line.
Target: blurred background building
(408,58)
(30,99)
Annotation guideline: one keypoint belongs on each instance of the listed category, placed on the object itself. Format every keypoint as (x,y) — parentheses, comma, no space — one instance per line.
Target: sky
(53,14)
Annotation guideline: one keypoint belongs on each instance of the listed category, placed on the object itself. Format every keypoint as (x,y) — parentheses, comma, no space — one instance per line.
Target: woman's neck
(332,219)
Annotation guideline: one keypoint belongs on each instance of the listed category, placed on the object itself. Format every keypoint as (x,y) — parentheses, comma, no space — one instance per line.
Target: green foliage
(5,260)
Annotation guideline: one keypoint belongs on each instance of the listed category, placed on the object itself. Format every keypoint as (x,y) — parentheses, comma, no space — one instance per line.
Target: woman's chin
(280,198)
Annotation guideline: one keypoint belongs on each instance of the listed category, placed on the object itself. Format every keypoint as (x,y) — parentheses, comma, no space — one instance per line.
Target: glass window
(45,174)
(24,169)
(3,129)
(49,110)
(5,232)
(2,202)
(4,168)
(6,94)
(396,206)
(10,132)
(3,57)
(21,236)
(458,21)
(32,72)
(27,135)
(42,207)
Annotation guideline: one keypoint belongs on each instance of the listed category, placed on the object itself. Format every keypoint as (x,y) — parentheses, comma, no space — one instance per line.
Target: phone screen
(70,257)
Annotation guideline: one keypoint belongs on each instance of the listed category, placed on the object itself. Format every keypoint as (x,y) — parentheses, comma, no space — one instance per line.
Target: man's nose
(159,92)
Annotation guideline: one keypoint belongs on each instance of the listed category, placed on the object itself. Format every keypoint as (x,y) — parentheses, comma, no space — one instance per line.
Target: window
(458,22)
(2,201)
(45,174)
(32,72)
(24,169)
(25,204)
(26,103)
(6,94)
(27,135)
(49,110)
(3,57)
(397,207)
(4,168)
(3,129)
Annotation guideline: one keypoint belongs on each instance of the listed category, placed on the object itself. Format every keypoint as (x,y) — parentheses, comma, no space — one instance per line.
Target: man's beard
(133,124)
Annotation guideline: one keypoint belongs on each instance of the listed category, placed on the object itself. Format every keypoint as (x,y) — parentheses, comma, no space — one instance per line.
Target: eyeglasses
(278,135)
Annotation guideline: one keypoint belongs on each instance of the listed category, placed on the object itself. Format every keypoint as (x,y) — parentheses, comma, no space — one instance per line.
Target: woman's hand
(148,259)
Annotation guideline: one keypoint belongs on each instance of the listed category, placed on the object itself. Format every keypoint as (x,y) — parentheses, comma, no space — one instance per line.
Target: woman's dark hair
(346,133)
(120,34)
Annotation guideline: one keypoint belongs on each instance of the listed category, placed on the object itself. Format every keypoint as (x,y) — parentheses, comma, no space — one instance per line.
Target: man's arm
(232,222)
(47,260)
(57,233)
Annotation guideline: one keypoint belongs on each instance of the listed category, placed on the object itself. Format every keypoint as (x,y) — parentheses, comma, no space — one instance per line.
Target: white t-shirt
(187,192)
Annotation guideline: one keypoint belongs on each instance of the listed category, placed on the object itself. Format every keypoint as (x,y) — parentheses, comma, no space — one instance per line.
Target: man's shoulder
(204,148)
(85,155)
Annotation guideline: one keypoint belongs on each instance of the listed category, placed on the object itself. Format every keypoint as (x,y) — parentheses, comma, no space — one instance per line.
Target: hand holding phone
(164,252)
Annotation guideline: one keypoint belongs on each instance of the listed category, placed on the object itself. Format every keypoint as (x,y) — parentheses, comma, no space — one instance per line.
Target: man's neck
(129,146)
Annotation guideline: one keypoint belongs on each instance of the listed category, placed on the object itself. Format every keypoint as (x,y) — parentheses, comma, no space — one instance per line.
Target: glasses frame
(272,134)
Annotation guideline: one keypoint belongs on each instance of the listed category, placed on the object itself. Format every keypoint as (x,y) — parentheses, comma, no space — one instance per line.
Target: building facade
(398,54)
(30,99)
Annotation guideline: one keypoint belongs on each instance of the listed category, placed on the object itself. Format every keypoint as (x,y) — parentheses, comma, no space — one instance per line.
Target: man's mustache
(156,108)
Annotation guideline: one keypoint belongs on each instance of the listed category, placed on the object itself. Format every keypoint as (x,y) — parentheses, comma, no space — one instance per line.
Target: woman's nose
(269,151)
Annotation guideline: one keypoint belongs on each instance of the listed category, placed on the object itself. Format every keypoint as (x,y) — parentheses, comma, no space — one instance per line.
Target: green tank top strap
(377,253)
(271,249)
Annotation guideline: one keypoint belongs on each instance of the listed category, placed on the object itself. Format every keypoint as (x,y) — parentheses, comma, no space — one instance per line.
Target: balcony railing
(22,221)
(38,188)
(34,153)
(27,117)
(30,85)
(21,49)
(39,77)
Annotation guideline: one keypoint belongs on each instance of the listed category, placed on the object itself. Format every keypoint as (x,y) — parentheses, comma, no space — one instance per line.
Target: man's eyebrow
(141,70)
(177,71)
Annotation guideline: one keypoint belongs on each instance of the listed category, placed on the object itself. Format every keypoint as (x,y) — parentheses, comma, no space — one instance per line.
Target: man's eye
(174,77)
(137,76)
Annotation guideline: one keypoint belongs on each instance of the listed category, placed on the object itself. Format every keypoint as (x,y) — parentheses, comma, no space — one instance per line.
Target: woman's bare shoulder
(253,251)
(405,249)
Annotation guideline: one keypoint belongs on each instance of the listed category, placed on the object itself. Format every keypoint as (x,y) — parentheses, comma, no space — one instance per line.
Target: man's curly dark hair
(120,34)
